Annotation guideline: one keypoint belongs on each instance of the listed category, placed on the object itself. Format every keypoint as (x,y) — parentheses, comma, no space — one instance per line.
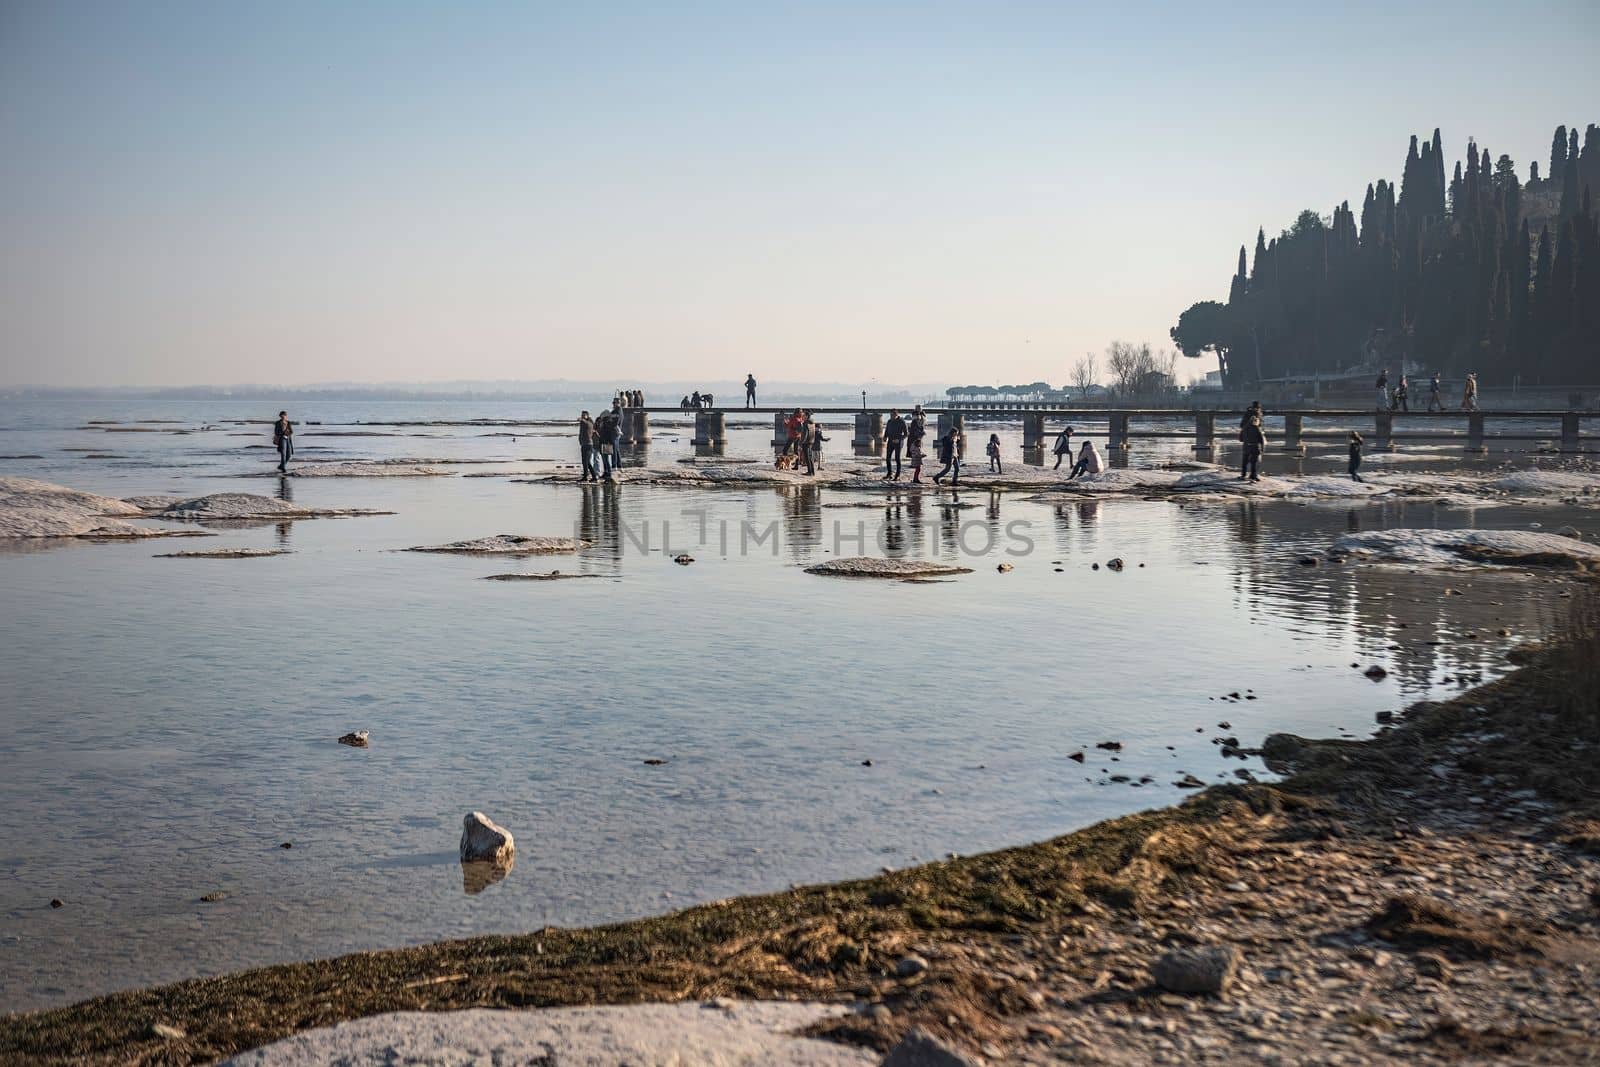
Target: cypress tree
(1261,257)
(1438,173)
(1533,173)
(1558,154)
(1457,191)
(1570,193)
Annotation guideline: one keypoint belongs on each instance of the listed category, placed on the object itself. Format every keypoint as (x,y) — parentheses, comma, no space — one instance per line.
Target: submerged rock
(354,469)
(224,553)
(485,841)
(1519,547)
(876,567)
(355,740)
(507,545)
(552,576)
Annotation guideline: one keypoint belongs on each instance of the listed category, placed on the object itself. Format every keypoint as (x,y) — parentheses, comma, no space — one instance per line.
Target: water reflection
(481,874)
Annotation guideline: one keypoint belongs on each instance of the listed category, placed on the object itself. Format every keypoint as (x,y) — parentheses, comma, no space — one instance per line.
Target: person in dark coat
(1355,457)
(749,390)
(283,439)
(1255,440)
(894,439)
(586,443)
(948,452)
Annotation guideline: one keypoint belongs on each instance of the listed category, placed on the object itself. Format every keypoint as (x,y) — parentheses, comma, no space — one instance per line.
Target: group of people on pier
(1399,399)
(695,401)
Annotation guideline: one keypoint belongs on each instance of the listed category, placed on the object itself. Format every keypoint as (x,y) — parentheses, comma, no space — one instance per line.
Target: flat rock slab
(359,470)
(31,508)
(726,1034)
(225,553)
(552,576)
(874,567)
(1516,547)
(507,545)
(242,506)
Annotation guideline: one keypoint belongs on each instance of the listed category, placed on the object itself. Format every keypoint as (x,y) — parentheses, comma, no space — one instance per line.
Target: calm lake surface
(166,724)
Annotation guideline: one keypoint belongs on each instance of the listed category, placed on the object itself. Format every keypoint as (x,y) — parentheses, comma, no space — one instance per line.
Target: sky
(288,192)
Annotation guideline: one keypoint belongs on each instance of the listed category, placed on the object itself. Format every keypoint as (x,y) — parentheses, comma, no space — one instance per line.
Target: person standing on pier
(1383,389)
(1469,394)
(1401,392)
(1255,440)
(1355,457)
(1063,447)
(1435,400)
(894,439)
(749,390)
(283,440)
(586,443)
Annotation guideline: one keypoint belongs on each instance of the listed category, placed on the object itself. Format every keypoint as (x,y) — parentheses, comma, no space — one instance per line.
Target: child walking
(914,454)
(994,452)
(1355,457)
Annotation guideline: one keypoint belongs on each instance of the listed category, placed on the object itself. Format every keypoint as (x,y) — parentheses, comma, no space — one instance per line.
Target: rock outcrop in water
(485,841)
(225,553)
(31,508)
(359,469)
(876,567)
(229,506)
(507,545)
(1518,547)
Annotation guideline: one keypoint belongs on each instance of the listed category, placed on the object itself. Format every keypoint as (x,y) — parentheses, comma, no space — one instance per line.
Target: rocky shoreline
(1430,895)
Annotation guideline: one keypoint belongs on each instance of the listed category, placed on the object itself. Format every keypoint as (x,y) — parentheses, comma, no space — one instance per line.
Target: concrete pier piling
(641,426)
(1293,427)
(869,430)
(1569,433)
(1383,432)
(780,432)
(1117,434)
(1475,432)
(710,428)
(1205,431)
(1033,432)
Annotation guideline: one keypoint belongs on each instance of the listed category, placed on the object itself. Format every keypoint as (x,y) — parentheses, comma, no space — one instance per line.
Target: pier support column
(1205,431)
(1032,432)
(1117,435)
(641,427)
(1569,432)
(1293,428)
(700,430)
(1475,432)
(869,429)
(948,419)
(1384,432)
(780,432)
(625,427)
(716,428)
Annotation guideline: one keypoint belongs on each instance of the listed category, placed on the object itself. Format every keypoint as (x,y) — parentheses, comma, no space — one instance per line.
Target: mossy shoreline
(840,942)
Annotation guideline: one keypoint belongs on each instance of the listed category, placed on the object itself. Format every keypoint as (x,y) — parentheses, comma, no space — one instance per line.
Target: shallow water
(168,723)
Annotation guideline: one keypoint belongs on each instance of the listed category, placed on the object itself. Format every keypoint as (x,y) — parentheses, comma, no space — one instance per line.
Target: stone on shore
(224,553)
(875,567)
(731,1033)
(921,1049)
(354,469)
(507,545)
(485,841)
(1513,547)
(1197,970)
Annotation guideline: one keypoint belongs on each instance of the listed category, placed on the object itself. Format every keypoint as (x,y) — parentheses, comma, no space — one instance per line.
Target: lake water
(168,723)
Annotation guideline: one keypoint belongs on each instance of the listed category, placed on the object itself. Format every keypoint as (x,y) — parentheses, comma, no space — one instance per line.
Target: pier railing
(1124,425)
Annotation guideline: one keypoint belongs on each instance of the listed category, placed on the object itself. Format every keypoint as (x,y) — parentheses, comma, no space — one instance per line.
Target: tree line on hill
(1478,272)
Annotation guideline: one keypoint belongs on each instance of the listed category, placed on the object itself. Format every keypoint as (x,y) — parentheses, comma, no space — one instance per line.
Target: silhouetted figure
(1063,447)
(586,443)
(1355,457)
(749,390)
(894,439)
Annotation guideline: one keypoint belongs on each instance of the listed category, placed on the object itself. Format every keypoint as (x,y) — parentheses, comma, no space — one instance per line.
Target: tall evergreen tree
(1558,153)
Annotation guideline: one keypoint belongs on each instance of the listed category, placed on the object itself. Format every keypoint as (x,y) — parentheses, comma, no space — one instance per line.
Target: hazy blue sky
(296,192)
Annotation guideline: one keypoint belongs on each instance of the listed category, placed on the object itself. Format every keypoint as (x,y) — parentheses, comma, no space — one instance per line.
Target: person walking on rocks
(814,452)
(894,439)
(915,456)
(1355,457)
(283,440)
(1063,447)
(917,430)
(749,390)
(606,430)
(949,456)
(1088,461)
(586,443)
(1255,440)
(992,449)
